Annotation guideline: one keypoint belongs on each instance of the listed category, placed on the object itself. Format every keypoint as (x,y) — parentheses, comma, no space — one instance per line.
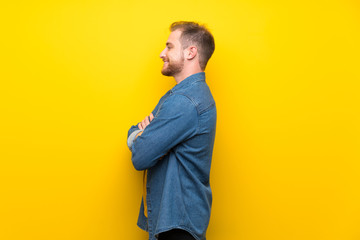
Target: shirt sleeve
(132,138)
(154,112)
(176,121)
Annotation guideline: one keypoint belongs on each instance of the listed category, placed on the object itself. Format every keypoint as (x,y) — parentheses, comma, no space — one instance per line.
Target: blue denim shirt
(176,149)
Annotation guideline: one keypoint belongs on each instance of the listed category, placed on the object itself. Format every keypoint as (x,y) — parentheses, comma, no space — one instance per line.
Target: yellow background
(76,74)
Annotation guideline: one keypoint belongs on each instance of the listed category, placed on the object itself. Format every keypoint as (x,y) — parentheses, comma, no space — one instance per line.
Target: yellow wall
(76,74)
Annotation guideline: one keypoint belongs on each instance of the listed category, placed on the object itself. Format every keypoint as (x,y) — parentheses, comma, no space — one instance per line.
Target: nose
(162,54)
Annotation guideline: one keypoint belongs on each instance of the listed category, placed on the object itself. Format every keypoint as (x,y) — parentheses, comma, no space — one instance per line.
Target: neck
(184,74)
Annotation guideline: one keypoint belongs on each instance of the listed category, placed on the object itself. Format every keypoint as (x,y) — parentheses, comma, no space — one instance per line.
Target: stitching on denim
(210,106)
(197,110)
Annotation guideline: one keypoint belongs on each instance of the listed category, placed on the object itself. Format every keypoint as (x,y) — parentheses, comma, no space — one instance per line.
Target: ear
(191,52)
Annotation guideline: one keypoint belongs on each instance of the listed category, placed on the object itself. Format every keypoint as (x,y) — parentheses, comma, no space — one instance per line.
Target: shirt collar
(189,80)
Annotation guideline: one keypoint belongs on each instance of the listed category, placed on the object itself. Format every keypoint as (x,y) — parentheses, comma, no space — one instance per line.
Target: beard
(173,68)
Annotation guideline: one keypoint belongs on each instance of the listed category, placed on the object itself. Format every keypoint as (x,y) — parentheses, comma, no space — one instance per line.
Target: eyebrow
(169,44)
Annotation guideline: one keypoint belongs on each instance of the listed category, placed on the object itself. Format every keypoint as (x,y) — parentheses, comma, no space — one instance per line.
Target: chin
(166,72)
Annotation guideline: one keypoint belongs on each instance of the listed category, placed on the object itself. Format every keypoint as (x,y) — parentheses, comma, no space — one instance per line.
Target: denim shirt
(176,150)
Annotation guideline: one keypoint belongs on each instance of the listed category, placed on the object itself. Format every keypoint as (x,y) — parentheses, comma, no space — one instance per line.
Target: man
(174,144)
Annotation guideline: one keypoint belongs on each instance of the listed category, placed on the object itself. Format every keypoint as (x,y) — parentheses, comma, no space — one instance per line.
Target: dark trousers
(176,234)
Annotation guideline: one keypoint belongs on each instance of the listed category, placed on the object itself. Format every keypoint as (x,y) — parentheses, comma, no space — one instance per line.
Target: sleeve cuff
(131,138)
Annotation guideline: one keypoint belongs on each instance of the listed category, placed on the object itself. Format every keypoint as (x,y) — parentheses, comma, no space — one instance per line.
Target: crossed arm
(143,124)
(175,122)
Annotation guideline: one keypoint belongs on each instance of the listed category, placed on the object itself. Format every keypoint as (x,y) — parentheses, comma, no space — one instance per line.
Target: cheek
(175,56)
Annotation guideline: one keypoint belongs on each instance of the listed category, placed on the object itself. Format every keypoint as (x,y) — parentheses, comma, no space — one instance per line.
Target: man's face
(172,55)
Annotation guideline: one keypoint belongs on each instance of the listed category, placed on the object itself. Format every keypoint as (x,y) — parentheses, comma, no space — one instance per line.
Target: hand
(144,123)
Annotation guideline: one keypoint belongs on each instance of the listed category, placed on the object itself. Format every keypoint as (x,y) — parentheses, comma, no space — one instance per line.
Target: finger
(151,117)
(146,121)
(140,126)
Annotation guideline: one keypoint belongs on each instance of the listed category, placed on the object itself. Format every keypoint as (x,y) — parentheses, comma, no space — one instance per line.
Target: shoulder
(200,95)
(179,101)
(177,106)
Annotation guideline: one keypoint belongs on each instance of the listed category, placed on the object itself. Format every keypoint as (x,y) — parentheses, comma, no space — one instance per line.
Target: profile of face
(172,55)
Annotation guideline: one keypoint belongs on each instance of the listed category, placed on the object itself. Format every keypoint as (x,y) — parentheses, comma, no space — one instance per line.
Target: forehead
(174,37)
